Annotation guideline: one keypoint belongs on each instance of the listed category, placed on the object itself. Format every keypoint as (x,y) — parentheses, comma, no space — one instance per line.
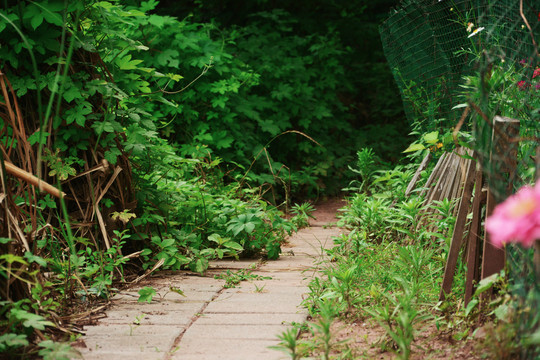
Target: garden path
(211,321)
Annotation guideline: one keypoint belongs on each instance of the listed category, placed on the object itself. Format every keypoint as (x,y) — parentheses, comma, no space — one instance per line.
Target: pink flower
(522,85)
(517,219)
(536,73)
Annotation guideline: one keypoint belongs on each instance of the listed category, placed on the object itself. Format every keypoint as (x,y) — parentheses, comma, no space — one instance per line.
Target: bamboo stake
(33,180)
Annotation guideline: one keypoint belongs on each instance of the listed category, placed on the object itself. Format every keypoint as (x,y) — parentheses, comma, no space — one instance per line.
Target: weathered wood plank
(416,177)
(473,249)
(457,236)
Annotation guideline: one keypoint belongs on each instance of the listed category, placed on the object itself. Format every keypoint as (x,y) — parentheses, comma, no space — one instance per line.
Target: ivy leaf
(146,294)
(168,57)
(125,62)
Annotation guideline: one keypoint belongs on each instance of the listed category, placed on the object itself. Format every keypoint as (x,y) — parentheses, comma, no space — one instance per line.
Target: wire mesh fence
(458,65)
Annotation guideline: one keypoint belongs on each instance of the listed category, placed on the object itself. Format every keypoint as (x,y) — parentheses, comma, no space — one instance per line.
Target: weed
(302,213)
(234,278)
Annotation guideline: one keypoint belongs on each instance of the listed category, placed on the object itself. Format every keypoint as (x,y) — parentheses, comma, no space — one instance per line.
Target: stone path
(211,321)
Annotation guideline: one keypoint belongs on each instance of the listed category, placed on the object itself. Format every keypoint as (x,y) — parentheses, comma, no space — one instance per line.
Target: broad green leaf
(36,20)
(146,294)
(432,137)
(233,245)
(34,258)
(486,284)
(414,147)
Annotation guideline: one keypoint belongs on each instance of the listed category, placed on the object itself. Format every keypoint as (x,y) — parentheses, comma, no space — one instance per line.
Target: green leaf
(58,351)
(501,312)
(34,258)
(47,201)
(30,320)
(432,137)
(38,137)
(72,92)
(233,245)
(125,62)
(11,340)
(146,294)
(177,290)
(36,20)
(4,240)
(486,283)
(10,259)
(470,306)
(414,147)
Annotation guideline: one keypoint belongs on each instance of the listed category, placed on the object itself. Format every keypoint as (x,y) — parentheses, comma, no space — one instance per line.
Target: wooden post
(473,250)
(503,163)
(459,228)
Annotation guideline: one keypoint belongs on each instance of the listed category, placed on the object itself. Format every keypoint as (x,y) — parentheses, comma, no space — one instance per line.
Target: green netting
(429,50)
(446,72)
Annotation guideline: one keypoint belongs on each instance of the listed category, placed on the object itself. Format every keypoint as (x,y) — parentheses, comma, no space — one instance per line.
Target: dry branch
(33,180)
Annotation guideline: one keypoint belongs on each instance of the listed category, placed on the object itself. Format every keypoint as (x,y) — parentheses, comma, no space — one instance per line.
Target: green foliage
(387,267)
(302,213)
(146,294)
(234,278)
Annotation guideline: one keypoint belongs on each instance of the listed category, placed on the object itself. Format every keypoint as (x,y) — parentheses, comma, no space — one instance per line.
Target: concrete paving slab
(233,331)
(275,287)
(251,319)
(271,303)
(164,318)
(112,330)
(227,349)
(142,343)
(102,355)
